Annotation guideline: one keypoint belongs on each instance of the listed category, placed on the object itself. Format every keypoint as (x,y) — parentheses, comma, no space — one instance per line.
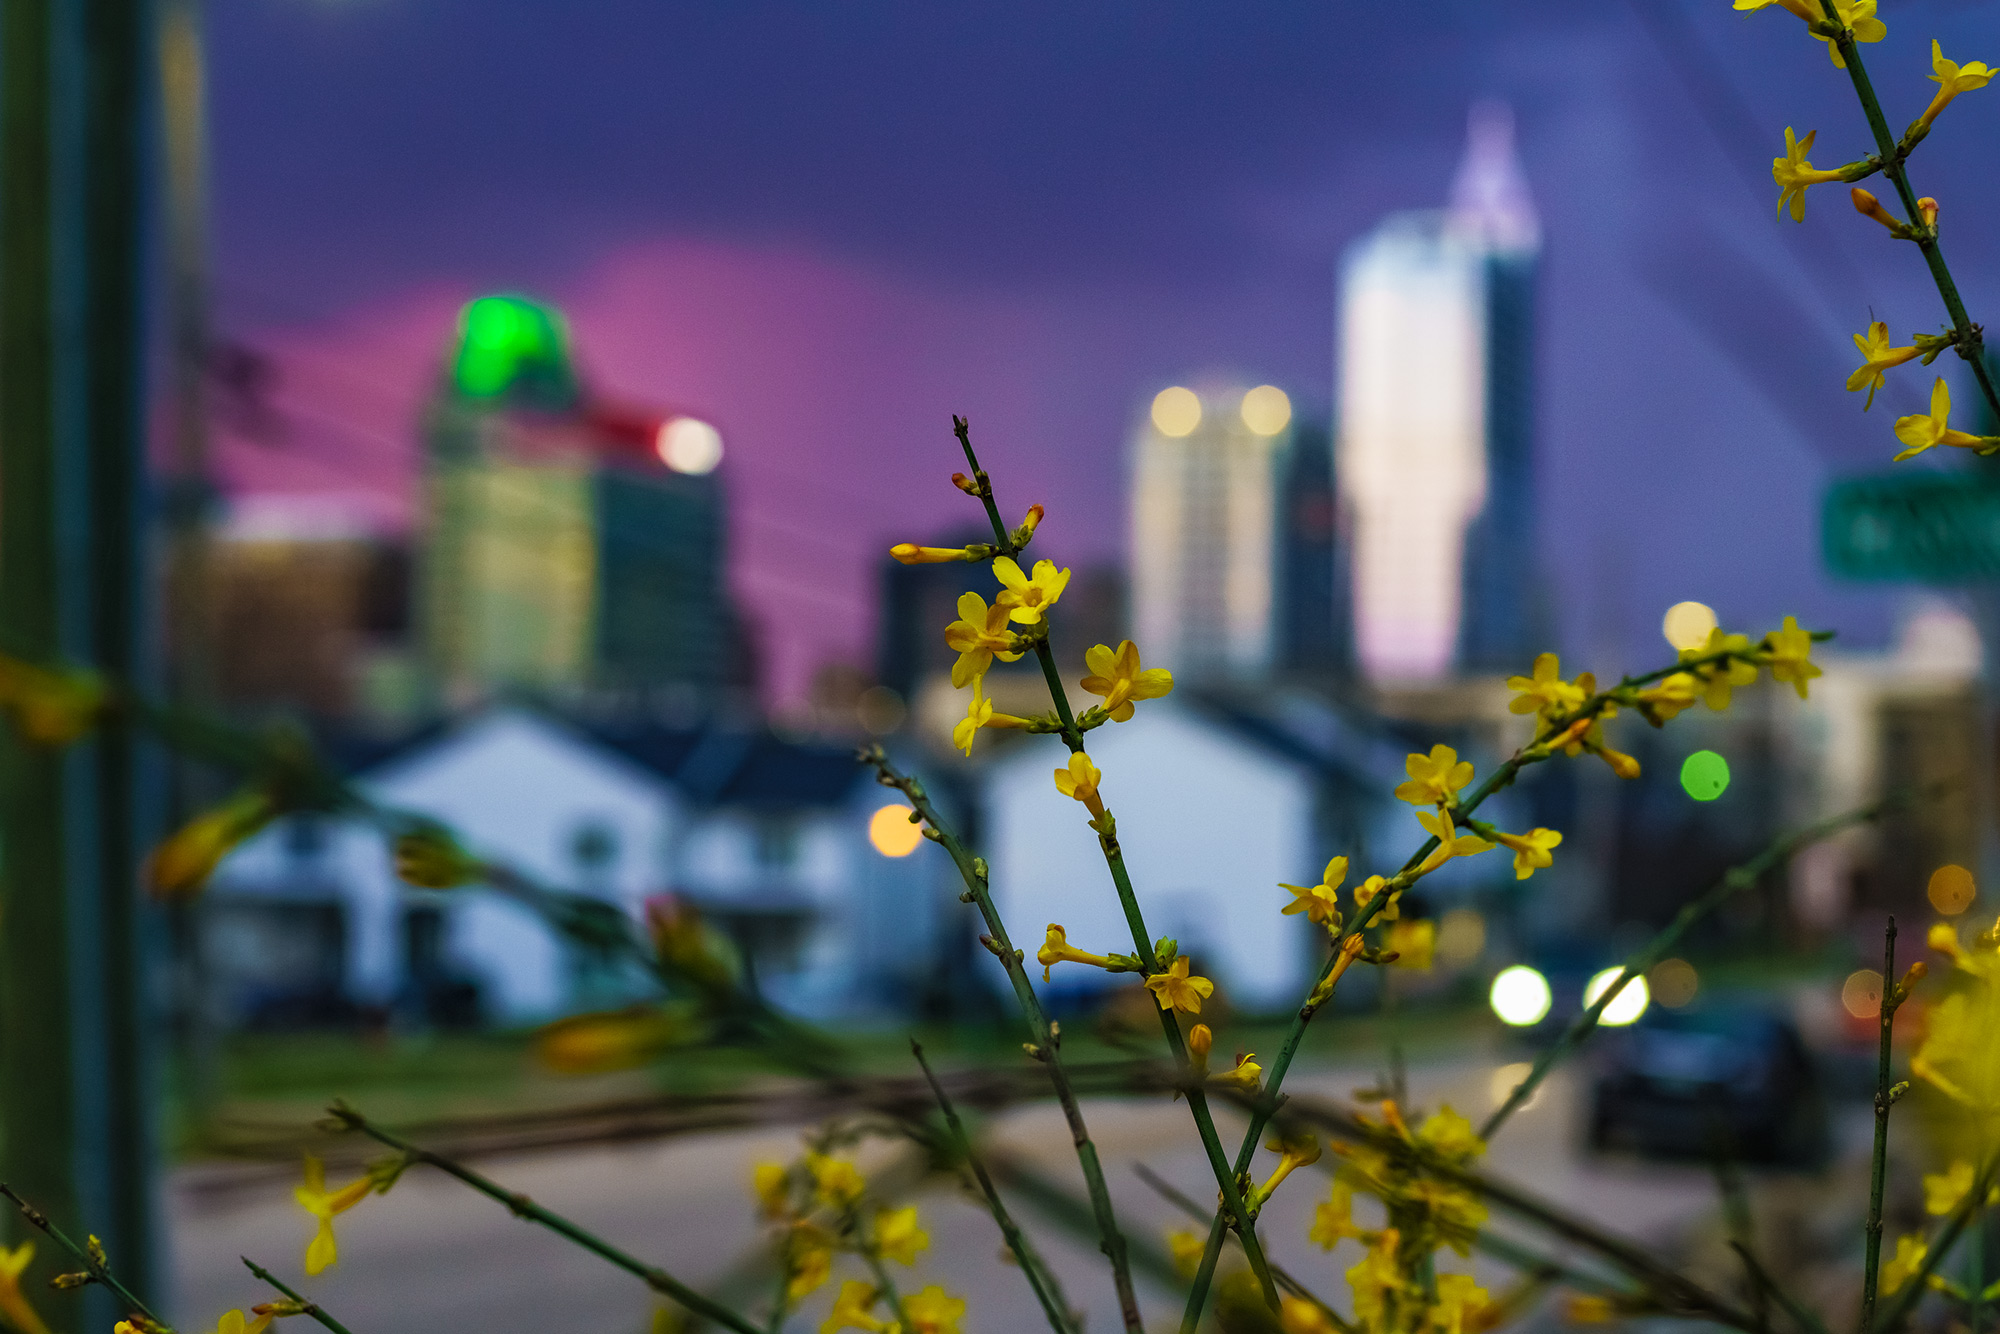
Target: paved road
(436,1257)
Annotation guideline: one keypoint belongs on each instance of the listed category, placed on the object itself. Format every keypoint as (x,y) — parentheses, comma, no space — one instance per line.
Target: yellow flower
(1458,1296)
(1186,1249)
(1334,1220)
(1118,678)
(1669,699)
(1435,779)
(1296,1315)
(1057,949)
(1175,990)
(1793,173)
(1791,650)
(1944,1190)
(430,858)
(1027,600)
(933,1311)
(1877,357)
(977,714)
(1958,1054)
(910,554)
(1721,677)
(181,865)
(898,1236)
(1414,942)
(1244,1076)
(1079,781)
(13,1302)
(1545,692)
(1451,843)
(50,708)
(1365,892)
(1910,1253)
(1532,850)
(1449,1136)
(323,1204)
(1200,1040)
(1590,1309)
(1920,431)
(232,1322)
(1374,1278)
(1292,1155)
(588,1044)
(853,1309)
(1858,15)
(1318,902)
(771,1183)
(836,1181)
(980,635)
(1952,79)
(808,1259)
(1796,6)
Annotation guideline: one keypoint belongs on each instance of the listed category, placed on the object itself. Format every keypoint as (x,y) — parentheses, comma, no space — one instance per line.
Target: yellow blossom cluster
(1423,1214)
(818,1208)
(1794,174)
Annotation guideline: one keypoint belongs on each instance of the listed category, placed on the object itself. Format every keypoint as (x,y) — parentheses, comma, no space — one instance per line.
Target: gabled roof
(720,766)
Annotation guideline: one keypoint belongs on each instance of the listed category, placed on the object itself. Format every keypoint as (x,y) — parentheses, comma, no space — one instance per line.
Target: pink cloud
(833,388)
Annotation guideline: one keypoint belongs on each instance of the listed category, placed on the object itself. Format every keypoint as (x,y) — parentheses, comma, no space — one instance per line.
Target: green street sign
(1929,527)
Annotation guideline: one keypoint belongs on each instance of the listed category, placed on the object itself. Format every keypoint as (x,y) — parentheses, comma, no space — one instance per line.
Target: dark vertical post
(74,1125)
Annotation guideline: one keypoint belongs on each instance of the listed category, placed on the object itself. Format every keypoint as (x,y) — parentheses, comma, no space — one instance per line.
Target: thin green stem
(91,1258)
(1285,1278)
(308,1308)
(1226,1179)
(1761,1279)
(1878,1163)
(1047,1292)
(1892,155)
(1046,1046)
(522,1207)
(1735,879)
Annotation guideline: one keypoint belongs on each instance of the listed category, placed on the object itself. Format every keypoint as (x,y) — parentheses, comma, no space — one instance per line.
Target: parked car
(1730,1081)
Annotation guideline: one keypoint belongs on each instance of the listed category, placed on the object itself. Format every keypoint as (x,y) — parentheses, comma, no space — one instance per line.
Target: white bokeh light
(1520,996)
(1630,1004)
(1687,624)
(689,445)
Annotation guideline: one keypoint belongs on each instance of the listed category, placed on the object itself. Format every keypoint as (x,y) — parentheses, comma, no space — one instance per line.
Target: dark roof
(722,766)
(1313,732)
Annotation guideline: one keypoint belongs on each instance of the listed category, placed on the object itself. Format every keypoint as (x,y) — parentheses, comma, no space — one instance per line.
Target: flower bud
(965,484)
(1927,209)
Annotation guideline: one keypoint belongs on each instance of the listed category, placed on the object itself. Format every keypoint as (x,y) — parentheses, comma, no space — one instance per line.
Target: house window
(777,843)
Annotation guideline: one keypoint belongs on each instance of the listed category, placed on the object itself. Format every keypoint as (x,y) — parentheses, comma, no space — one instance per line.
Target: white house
(1215,808)
(767,837)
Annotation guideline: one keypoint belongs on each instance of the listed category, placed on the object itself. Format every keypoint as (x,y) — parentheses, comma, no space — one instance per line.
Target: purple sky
(830,226)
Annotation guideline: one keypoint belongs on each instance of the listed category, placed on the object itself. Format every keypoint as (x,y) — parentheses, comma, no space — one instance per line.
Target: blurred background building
(1435,387)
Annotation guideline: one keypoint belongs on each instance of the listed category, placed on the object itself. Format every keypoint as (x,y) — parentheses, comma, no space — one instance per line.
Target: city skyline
(834,310)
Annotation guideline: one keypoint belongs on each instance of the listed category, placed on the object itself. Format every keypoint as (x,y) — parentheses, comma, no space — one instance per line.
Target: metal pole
(74,1123)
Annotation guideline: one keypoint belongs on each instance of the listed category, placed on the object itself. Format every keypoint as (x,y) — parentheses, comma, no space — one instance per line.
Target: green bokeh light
(510,345)
(1705,775)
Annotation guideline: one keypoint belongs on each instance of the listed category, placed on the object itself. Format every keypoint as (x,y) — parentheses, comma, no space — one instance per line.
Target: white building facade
(1417,398)
(1204,535)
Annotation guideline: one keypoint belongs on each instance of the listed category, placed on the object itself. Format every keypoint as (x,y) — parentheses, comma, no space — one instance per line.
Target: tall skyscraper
(567,545)
(1205,533)
(1436,447)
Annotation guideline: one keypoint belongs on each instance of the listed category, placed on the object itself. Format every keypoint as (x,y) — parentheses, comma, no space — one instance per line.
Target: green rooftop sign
(509,346)
(1929,527)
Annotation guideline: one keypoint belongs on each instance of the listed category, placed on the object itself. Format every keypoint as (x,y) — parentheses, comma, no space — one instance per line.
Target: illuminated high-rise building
(567,545)
(1436,439)
(1205,536)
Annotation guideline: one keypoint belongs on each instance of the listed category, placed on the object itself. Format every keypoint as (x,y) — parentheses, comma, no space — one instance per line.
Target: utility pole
(76,1101)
